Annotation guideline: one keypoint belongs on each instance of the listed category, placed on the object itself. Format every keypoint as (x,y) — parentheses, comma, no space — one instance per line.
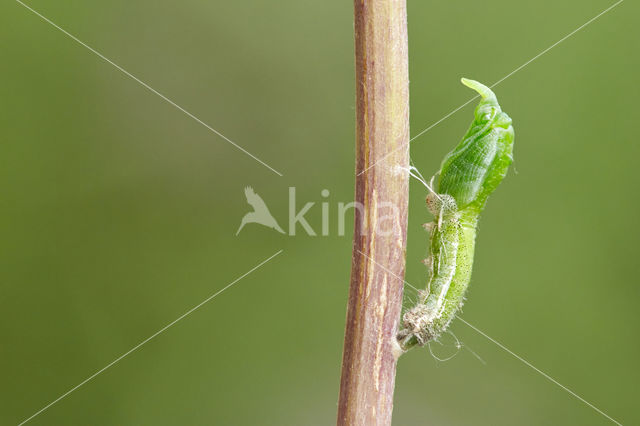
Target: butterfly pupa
(467,176)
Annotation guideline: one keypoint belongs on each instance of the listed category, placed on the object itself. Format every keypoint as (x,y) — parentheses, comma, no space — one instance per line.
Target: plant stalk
(381,187)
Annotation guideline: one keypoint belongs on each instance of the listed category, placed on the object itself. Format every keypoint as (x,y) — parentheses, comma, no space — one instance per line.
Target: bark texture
(382,149)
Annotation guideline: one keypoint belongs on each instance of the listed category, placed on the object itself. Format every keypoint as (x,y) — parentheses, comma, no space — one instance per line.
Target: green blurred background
(118,212)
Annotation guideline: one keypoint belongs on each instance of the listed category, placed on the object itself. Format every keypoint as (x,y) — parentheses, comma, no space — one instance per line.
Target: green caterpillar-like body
(468,174)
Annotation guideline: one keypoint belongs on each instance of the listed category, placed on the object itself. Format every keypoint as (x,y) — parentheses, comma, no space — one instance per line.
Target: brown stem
(382,138)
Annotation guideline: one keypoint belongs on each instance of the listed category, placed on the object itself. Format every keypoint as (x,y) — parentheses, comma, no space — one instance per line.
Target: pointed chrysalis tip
(483,90)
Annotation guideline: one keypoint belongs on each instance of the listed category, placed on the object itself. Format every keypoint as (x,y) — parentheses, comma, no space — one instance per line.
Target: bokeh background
(118,212)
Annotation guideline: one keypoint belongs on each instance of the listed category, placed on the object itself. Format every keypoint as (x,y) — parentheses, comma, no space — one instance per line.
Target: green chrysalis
(468,174)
